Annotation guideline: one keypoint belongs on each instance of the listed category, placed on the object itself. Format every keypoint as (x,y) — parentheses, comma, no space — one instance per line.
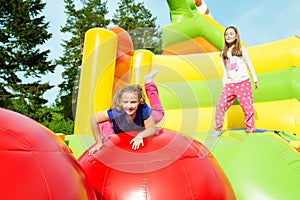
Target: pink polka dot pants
(243,92)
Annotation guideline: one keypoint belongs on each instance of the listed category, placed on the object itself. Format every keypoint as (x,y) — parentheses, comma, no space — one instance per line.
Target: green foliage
(22,63)
(138,21)
(58,123)
(30,106)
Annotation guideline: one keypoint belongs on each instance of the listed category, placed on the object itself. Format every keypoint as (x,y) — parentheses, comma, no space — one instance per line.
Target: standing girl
(236,81)
(129,112)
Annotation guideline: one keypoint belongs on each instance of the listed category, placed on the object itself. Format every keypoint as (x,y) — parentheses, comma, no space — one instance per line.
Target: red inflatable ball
(36,164)
(168,166)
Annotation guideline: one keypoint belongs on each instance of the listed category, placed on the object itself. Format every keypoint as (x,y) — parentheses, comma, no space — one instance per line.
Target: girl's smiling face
(230,35)
(130,103)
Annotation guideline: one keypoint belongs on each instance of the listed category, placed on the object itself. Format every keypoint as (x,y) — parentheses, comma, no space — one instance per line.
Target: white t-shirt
(236,69)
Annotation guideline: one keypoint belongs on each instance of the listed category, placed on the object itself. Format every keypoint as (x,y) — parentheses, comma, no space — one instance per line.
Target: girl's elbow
(94,120)
(154,129)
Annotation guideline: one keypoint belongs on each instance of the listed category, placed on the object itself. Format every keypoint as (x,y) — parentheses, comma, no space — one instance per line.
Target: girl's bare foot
(149,77)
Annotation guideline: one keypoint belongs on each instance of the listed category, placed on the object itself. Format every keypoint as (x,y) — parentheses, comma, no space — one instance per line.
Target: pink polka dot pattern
(241,91)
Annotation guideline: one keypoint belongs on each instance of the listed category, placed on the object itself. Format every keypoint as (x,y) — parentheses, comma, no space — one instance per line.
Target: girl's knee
(157,115)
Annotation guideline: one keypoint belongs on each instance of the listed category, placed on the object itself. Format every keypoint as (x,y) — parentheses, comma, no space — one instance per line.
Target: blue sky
(259,22)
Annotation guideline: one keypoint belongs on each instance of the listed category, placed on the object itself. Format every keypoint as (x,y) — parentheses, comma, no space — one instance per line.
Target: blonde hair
(236,51)
(117,99)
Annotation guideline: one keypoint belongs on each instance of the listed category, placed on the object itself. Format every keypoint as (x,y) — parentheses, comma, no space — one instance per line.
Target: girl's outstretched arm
(149,131)
(101,116)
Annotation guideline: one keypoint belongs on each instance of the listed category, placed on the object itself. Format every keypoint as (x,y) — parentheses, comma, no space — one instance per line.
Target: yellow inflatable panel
(275,55)
(281,115)
(188,120)
(96,82)
(141,65)
(188,67)
(266,117)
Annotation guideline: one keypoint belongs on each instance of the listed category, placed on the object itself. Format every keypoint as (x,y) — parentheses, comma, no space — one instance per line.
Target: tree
(23,63)
(58,123)
(140,24)
(91,15)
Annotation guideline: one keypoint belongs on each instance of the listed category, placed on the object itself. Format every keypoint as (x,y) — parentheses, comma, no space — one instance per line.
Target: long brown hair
(236,51)
(117,99)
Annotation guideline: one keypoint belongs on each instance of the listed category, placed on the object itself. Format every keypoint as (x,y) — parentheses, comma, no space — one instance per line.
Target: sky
(258,21)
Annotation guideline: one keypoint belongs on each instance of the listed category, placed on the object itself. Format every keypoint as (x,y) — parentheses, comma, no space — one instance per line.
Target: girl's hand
(136,142)
(255,85)
(95,148)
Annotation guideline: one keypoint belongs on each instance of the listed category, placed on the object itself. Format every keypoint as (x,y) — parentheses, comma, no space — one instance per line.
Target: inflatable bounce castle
(261,166)
(181,161)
